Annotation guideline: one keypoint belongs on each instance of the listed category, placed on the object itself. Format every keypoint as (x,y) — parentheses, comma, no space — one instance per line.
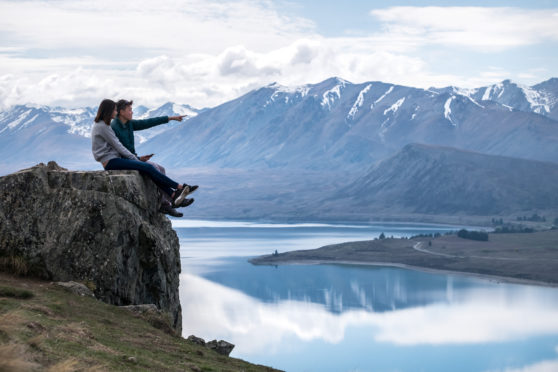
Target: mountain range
(30,134)
(339,125)
(325,134)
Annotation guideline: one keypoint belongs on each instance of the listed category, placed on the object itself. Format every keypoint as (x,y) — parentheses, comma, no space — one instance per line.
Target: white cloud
(491,316)
(236,70)
(204,53)
(544,366)
(486,29)
(174,27)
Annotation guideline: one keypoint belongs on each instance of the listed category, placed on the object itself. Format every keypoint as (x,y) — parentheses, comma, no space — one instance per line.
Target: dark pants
(165,183)
(165,199)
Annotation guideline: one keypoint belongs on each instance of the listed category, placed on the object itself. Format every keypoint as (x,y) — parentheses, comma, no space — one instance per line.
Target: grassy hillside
(45,328)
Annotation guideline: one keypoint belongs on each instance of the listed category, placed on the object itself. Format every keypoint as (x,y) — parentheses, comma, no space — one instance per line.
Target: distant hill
(423,179)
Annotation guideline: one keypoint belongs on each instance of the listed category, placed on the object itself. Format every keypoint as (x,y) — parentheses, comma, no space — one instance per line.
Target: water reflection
(449,314)
(338,288)
(354,318)
(502,313)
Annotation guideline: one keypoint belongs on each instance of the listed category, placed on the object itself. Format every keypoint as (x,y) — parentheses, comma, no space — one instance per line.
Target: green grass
(45,328)
(15,293)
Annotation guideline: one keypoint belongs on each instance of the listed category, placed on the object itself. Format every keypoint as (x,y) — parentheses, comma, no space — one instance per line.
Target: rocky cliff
(100,228)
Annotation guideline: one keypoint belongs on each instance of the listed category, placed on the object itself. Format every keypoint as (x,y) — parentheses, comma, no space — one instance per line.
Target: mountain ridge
(339,124)
(425,179)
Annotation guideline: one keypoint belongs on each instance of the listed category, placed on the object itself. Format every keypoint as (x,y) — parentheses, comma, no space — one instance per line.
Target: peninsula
(520,257)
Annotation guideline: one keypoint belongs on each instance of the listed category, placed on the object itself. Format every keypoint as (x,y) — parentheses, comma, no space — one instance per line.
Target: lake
(355,318)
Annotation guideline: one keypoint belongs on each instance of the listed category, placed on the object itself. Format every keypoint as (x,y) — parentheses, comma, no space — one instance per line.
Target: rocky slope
(99,228)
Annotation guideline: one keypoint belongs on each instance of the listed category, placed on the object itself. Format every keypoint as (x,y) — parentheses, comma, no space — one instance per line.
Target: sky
(74,53)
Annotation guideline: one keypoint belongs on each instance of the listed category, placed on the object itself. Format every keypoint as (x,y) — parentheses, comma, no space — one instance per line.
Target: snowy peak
(168,109)
(540,99)
(21,117)
(76,121)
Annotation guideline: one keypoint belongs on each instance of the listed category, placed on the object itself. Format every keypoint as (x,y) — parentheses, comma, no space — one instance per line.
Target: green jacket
(125,132)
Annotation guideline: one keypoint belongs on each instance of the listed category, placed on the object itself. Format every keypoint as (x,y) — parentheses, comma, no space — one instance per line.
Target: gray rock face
(99,227)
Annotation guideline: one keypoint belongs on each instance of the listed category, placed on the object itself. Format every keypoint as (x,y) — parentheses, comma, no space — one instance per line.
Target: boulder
(221,347)
(96,227)
(76,288)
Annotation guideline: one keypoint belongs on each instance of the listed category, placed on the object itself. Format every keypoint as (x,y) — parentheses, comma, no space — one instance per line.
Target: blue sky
(203,53)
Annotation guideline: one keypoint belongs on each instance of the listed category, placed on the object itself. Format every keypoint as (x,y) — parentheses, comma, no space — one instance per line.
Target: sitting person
(108,150)
(124,126)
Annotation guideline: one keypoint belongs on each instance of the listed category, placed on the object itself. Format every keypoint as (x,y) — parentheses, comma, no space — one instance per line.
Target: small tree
(382,236)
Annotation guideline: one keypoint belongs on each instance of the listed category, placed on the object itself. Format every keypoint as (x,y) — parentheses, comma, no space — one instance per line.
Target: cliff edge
(102,228)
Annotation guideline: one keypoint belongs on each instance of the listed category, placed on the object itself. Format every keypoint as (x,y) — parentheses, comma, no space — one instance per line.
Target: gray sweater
(106,146)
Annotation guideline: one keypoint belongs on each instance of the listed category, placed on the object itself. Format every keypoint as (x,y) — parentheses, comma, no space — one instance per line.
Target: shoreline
(530,259)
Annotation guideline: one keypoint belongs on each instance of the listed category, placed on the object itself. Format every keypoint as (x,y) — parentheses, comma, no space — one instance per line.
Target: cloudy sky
(205,52)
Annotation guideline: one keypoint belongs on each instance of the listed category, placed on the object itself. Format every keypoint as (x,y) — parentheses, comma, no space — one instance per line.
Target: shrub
(15,293)
(473,235)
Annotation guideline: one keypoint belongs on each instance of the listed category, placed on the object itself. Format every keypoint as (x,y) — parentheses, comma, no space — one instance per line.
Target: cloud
(486,29)
(211,79)
(173,27)
(224,313)
(204,53)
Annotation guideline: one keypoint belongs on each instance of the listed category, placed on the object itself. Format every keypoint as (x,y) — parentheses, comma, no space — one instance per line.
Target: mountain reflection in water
(356,318)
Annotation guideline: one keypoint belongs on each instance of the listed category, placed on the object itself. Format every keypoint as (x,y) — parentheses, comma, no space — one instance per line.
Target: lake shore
(519,258)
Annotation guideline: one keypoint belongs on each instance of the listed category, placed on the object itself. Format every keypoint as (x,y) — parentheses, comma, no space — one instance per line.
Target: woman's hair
(104,113)
(122,104)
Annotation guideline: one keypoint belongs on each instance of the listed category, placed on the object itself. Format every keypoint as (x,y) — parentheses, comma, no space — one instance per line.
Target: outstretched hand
(177,118)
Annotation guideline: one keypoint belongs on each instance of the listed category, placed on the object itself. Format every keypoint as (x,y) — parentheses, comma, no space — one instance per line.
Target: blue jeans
(165,183)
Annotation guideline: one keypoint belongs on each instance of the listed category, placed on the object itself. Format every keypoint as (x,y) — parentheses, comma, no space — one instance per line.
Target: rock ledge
(98,227)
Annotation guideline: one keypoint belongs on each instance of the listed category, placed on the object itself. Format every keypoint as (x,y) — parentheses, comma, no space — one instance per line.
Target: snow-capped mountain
(331,125)
(33,134)
(168,109)
(339,125)
(540,99)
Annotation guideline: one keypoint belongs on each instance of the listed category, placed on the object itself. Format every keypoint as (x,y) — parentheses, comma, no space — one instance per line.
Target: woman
(108,150)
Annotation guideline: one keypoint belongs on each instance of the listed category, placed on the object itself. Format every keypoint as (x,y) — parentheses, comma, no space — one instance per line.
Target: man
(124,127)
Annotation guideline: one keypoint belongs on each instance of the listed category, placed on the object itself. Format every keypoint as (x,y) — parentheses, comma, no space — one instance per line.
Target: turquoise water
(355,318)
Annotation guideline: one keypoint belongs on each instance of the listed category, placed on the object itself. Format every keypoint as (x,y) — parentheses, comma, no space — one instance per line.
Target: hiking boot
(186,202)
(192,188)
(167,209)
(180,195)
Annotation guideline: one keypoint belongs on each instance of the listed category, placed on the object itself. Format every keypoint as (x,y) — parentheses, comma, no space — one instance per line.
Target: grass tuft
(14,264)
(15,293)
(68,365)
(13,358)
